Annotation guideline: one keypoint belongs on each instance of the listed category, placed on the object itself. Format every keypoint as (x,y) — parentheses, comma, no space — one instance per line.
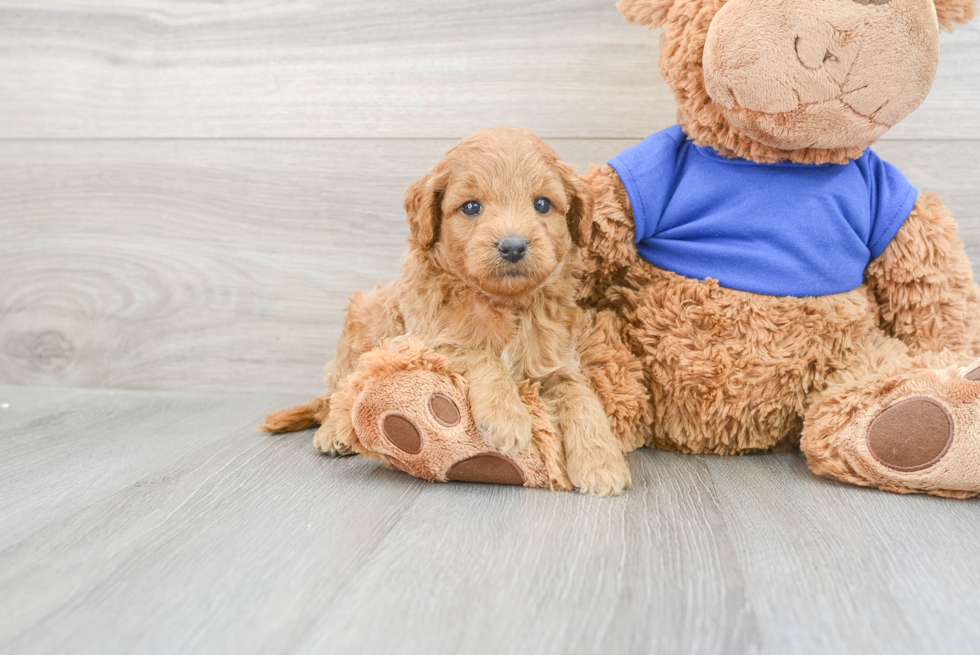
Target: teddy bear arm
(610,247)
(924,283)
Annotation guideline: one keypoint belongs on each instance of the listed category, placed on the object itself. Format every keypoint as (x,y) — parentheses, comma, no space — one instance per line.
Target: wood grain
(225,265)
(812,552)
(373,68)
(231,541)
(58,456)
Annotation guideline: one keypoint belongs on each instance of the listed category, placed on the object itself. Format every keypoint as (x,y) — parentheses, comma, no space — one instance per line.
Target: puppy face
(500,211)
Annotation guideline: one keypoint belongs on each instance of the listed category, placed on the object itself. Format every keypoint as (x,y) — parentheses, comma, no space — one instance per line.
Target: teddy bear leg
(902,424)
(408,409)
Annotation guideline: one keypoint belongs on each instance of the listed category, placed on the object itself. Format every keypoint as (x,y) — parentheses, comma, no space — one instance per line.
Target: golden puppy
(489,281)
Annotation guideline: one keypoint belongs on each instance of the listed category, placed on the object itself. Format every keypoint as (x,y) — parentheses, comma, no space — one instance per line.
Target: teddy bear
(779,282)
(771,281)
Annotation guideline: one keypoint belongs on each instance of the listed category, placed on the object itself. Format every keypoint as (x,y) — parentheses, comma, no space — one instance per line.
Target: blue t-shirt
(778,229)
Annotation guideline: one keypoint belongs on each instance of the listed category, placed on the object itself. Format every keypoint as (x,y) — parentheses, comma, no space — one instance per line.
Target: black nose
(512,248)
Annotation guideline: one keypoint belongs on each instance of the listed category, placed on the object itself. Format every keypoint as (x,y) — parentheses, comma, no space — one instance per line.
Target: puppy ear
(652,13)
(423,204)
(955,11)
(580,206)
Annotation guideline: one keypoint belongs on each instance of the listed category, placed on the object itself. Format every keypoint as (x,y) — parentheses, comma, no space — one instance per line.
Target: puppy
(489,281)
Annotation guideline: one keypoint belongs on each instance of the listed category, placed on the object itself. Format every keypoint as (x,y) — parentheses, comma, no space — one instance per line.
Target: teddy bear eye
(472,208)
(542,205)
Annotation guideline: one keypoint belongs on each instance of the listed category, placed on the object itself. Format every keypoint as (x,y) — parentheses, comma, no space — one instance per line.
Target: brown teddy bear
(777,282)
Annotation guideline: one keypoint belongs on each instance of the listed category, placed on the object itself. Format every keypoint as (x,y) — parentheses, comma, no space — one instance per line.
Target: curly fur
(498,323)
(924,283)
(617,378)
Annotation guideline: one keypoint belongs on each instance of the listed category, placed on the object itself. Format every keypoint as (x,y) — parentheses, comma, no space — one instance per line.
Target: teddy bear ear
(651,13)
(951,12)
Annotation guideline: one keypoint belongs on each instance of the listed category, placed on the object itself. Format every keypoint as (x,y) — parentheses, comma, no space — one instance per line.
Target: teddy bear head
(811,81)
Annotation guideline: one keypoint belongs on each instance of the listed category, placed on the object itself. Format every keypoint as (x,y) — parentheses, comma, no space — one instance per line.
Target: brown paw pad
(488,468)
(444,410)
(402,432)
(974,375)
(911,435)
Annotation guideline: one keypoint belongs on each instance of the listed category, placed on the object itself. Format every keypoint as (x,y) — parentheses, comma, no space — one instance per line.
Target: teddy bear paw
(921,436)
(419,421)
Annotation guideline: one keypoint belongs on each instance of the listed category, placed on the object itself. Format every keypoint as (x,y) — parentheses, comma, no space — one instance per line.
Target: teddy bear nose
(512,248)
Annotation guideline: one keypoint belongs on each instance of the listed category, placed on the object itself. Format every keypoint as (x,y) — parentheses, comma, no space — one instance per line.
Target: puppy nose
(512,248)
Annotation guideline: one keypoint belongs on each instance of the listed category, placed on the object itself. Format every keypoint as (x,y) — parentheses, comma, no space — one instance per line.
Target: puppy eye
(542,205)
(472,208)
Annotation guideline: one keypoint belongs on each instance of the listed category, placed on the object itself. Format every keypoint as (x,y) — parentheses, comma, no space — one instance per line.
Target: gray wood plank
(378,68)
(226,264)
(849,569)
(71,447)
(230,546)
(21,404)
(243,542)
(651,572)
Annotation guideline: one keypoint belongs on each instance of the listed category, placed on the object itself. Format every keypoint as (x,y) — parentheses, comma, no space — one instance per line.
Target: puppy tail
(301,417)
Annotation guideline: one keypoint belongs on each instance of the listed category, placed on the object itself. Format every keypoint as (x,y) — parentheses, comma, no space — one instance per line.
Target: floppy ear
(423,204)
(580,206)
(651,13)
(955,11)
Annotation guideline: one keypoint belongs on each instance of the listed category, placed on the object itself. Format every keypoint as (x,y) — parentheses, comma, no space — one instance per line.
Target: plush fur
(395,378)
(497,323)
(731,372)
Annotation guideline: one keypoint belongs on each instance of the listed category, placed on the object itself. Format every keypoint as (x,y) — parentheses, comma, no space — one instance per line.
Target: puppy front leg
(496,405)
(593,456)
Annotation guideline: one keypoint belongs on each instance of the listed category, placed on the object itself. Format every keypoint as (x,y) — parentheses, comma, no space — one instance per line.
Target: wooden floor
(190,190)
(152,522)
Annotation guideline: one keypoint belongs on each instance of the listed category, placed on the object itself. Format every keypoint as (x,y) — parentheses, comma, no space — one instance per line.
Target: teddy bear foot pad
(403,433)
(922,436)
(911,435)
(419,421)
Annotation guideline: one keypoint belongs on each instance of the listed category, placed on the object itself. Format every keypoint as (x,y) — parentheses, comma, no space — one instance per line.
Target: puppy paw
(508,439)
(506,427)
(327,444)
(608,478)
